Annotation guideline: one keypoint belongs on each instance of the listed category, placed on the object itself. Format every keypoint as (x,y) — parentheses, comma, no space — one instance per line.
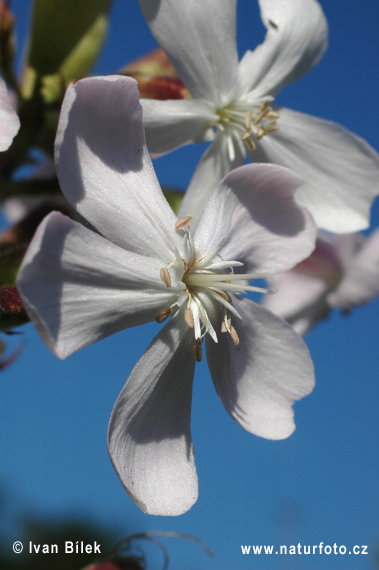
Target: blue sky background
(319,485)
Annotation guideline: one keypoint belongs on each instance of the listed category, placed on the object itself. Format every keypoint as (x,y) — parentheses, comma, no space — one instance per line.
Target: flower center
(208,281)
(243,120)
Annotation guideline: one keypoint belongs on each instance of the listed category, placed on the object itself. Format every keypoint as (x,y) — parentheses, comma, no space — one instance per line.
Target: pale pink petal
(171,124)
(213,166)
(9,121)
(104,168)
(253,218)
(340,170)
(296,39)
(149,437)
(259,380)
(200,41)
(343,246)
(78,287)
(300,299)
(360,283)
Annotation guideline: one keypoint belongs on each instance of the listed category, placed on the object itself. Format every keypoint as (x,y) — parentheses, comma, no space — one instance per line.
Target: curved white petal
(296,39)
(259,380)
(170,124)
(9,121)
(200,41)
(149,437)
(252,217)
(78,287)
(104,168)
(215,163)
(360,283)
(340,170)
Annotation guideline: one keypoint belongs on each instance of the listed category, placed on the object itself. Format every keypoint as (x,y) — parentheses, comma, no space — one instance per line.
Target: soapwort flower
(135,262)
(341,273)
(9,121)
(231,104)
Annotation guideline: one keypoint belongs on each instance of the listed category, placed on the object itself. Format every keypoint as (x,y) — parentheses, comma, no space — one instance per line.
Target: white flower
(342,272)
(9,121)
(232,104)
(137,262)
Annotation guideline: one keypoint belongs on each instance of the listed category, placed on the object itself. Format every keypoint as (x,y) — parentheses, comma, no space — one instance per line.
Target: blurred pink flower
(342,272)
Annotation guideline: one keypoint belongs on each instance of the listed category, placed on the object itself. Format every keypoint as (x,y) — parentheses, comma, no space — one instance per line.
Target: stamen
(260,133)
(203,283)
(183,223)
(234,335)
(231,151)
(225,327)
(188,317)
(197,351)
(241,120)
(250,144)
(262,112)
(248,117)
(272,127)
(272,115)
(165,276)
(163,315)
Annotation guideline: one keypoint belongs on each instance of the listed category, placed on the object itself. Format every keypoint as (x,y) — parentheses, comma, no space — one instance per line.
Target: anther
(162,316)
(262,112)
(260,133)
(183,223)
(188,317)
(197,352)
(246,135)
(225,327)
(272,115)
(165,276)
(250,144)
(234,335)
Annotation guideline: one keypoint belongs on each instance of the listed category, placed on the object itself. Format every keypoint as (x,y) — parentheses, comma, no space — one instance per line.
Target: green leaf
(66,38)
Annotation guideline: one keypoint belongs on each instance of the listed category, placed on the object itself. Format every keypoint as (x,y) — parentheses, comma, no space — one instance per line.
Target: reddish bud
(11,303)
(7,40)
(154,63)
(161,88)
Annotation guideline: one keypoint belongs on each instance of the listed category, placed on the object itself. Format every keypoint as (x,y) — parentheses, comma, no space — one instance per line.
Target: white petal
(213,166)
(300,299)
(296,39)
(149,437)
(170,124)
(9,121)
(78,287)
(253,214)
(199,39)
(360,283)
(259,380)
(340,170)
(104,168)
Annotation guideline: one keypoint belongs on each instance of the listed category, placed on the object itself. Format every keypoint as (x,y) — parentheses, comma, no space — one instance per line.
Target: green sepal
(66,39)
